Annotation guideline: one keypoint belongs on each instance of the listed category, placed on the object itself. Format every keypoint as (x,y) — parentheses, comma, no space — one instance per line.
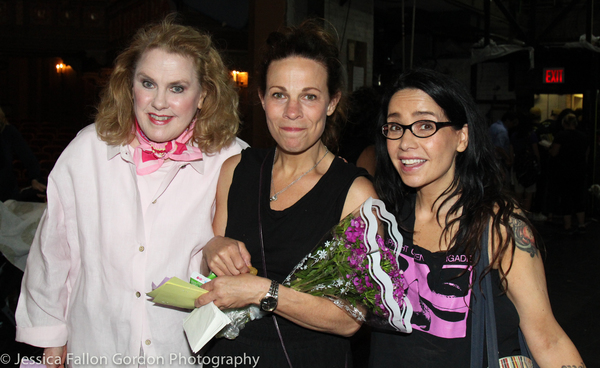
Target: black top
(572,153)
(288,236)
(440,297)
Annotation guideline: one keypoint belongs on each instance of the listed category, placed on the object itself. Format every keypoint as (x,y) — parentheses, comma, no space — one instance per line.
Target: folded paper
(202,324)
(176,293)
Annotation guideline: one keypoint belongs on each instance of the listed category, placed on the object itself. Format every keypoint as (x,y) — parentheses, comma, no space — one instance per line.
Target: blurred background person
(554,128)
(499,133)
(13,146)
(526,163)
(538,205)
(571,149)
(357,144)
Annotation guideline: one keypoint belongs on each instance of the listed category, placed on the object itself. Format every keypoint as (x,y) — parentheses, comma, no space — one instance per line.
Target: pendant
(273,198)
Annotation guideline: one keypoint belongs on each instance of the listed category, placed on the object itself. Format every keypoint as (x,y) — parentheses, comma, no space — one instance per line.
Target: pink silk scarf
(149,156)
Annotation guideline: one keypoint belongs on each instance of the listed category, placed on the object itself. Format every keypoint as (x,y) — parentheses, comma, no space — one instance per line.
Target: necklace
(273,198)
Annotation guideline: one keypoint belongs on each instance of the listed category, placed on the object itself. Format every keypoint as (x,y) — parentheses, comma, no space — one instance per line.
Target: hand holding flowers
(355,268)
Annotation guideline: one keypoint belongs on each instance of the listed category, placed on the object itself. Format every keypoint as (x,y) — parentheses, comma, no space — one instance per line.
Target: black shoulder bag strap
(483,317)
(262,251)
(483,320)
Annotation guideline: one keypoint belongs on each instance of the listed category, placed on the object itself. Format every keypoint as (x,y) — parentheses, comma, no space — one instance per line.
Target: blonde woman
(129,203)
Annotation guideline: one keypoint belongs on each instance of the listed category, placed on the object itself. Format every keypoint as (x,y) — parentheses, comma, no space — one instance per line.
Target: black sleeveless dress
(288,236)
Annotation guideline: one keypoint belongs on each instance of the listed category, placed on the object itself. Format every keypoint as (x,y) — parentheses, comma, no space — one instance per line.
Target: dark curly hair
(310,40)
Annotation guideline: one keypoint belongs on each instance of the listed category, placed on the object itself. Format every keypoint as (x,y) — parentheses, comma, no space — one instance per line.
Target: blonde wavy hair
(218,120)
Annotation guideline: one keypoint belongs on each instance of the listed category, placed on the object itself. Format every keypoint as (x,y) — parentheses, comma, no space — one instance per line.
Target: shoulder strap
(483,320)
(491,334)
(262,250)
(525,349)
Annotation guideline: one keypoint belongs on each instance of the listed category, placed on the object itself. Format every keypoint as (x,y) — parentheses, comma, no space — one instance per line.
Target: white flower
(321,254)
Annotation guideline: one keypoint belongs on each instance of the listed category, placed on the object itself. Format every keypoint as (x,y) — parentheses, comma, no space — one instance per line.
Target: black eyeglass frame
(438,125)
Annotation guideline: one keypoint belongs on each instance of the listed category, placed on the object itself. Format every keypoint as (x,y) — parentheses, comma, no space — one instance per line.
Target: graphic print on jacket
(439,294)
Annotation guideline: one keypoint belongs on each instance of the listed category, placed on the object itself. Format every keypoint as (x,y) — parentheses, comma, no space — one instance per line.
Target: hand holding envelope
(175,292)
(203,323)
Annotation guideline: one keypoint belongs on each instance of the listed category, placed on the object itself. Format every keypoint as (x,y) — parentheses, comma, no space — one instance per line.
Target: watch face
(268,304)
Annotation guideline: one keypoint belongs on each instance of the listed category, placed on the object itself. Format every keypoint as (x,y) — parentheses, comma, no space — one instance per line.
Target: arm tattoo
(523,237)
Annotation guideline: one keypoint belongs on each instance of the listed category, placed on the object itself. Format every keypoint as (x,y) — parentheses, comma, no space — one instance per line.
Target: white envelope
(203,324)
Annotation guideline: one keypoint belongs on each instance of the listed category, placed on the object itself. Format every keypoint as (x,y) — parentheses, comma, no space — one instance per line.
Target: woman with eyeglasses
(437,172)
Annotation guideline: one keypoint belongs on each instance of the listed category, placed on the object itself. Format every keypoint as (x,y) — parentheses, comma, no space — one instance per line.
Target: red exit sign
(554,75)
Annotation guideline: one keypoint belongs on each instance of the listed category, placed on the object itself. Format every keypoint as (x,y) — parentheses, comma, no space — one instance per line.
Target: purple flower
(368,282)
(357,222)
(348,249)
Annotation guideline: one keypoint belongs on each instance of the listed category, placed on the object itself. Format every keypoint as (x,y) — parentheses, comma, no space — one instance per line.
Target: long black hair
(477,185)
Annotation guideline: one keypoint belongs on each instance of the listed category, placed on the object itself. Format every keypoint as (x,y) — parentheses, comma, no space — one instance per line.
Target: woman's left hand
(39,188)
(234,291)
(226,256)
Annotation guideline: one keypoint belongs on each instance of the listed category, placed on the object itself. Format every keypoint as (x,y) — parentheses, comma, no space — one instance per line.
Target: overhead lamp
(240,78)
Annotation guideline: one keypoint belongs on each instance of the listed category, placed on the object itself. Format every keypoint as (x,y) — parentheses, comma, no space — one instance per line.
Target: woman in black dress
(286,198)
(437,172)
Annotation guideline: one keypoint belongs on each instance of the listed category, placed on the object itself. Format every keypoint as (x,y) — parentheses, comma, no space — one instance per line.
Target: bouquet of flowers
(356,266)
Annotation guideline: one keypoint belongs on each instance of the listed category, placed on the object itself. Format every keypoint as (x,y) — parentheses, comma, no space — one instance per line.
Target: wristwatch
(269,302)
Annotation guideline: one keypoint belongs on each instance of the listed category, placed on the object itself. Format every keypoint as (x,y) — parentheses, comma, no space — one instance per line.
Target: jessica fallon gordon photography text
(120,359)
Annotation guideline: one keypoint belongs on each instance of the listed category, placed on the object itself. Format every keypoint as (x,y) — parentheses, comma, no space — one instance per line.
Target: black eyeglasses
(420,129)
